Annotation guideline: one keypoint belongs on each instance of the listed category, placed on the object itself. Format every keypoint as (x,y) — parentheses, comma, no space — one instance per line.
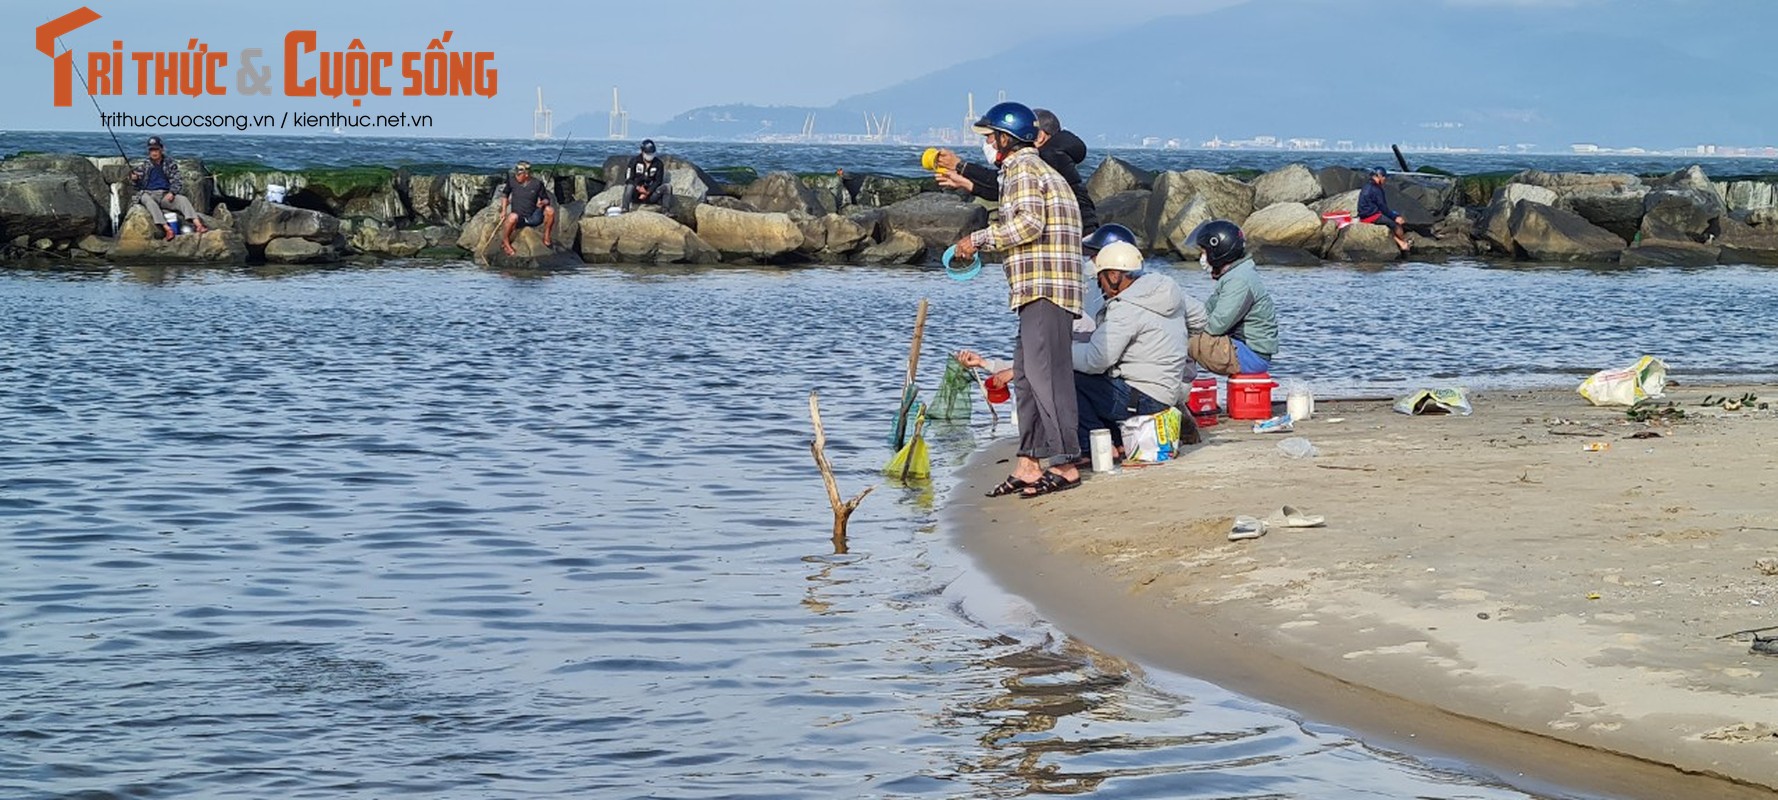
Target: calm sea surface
(434,531)
(441,532)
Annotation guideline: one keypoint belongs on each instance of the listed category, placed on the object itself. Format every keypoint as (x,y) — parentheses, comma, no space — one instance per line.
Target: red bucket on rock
(1250,396)
(1202,401)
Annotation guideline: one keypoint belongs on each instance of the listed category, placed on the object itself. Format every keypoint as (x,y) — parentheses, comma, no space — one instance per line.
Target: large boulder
(938,218)
(900,247)
(1346,202)
(828,189)
(375,238)
(1361,243)
(874,221)
(642,237)
(1744,244)
(1293,183)
(292,250)
(61,198)
(141,241)
(1114,175)
(1175,193)
(1272,255)
(747,237)
(374,192)
(1669,254)
(883,191)
(1289,224)
(1612,201)
(832,238)
(1419,198)
(1691,177)
(1748,195)
(1496,226)
(481,237)
(1454,235)
(1340,180)
(449,199)
(262,222)
(1547,233)
(1129,209)
(784,193)
(1682,213)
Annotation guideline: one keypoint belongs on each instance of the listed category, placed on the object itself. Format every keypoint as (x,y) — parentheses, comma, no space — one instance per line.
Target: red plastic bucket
(1250,396)
(1202,401)
(997,392)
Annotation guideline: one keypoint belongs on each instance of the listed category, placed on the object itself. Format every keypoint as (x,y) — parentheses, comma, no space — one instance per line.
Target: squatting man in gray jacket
(1136,361)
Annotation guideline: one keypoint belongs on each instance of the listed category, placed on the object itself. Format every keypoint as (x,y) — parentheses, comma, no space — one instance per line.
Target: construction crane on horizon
(543,120)
(619,127)
(809,126)
(969,116)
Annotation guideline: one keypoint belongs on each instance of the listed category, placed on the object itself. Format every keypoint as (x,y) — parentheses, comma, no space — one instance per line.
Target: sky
(667,56)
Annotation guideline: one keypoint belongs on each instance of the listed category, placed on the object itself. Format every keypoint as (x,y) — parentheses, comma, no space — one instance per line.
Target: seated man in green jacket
(1241,336)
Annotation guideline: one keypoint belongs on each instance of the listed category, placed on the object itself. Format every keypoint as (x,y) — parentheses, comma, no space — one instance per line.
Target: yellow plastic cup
(929,159)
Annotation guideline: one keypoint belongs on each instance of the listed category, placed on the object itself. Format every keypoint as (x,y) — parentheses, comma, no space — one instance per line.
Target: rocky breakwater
(68,207)
(1684,218)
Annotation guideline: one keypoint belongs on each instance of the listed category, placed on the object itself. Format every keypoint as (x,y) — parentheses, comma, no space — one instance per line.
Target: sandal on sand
(1247,528)
(1050,482)
(1290,517)
(1009,486)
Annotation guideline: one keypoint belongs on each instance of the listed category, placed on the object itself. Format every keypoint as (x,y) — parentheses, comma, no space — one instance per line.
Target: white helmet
(1121,256)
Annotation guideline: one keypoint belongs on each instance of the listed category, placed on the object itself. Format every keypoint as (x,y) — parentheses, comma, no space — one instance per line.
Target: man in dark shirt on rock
(645,180)
(524,202)
(1373,209)
(1059,148)
(160,189)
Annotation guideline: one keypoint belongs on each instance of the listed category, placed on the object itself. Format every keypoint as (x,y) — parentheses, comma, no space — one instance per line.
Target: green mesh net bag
(954,399)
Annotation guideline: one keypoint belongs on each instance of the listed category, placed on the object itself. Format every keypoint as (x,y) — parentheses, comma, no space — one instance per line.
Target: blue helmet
(1106,234)
(1013,119)
(1379,172)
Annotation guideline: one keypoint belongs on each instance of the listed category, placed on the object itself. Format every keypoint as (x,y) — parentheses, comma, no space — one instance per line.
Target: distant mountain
(1659,74)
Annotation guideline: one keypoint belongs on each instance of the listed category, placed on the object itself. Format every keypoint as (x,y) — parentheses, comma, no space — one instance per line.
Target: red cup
(997,392)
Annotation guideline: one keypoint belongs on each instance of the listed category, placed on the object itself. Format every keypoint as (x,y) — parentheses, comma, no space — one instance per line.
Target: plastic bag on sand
(1435,401)
(1298,447)
(1628,386)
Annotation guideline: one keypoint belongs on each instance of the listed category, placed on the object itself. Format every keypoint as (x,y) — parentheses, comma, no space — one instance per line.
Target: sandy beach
(1485,587)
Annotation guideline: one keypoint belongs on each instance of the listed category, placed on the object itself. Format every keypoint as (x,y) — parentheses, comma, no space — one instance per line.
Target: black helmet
(1222,242)
(1014,119)
(648,145)
(1106,234)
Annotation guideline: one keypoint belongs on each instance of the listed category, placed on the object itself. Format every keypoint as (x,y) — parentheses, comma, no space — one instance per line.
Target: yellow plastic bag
(1628,386)
(1151,437)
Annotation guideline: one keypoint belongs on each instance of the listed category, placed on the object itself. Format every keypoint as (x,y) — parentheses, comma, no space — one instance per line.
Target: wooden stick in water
(842,510)
(913,369)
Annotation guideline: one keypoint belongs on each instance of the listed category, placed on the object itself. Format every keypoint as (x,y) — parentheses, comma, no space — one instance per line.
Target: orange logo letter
(46,44)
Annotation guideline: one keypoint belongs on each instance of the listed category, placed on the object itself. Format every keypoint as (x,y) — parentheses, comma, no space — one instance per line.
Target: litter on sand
(1298,447)
(1628,386)
(1292,517)
(1247,528)
(1451,400)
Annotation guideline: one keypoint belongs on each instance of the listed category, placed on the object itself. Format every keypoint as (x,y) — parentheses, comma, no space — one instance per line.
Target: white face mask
(989,152)
(647,156)
(1204,261)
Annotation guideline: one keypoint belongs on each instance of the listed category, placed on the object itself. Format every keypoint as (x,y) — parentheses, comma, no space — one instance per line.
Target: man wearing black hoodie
(1059,148)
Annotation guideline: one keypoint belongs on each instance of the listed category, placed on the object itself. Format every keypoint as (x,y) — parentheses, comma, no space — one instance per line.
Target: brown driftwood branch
(842,509)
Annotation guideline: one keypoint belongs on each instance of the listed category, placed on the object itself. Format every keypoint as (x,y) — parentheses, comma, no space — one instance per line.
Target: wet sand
(1484,588)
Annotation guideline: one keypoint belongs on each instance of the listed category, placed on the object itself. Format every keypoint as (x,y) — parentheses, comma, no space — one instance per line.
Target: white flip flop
(1290,517)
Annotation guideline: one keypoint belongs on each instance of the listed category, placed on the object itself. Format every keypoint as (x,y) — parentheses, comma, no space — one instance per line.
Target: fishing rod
(90,96)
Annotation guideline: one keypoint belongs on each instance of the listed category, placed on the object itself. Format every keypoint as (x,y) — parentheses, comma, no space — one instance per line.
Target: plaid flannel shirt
(1039,231)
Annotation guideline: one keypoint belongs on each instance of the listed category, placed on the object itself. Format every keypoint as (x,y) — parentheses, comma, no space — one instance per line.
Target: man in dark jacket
(645,180)
(160,190)
(1060,149)
(1373,209)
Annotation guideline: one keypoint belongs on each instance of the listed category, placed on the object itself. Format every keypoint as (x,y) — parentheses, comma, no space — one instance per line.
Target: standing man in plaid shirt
(1039,233)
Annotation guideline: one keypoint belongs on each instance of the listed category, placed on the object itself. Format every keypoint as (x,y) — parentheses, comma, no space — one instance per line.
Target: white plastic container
(172,222)
(274,193)
(1100,440)
(1300,402)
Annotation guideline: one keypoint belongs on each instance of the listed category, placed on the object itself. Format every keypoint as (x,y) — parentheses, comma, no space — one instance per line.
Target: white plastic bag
(1628,386)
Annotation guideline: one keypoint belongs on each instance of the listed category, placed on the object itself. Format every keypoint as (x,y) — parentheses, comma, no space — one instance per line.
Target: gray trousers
(662,197)
(1043,380)
(154,201)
